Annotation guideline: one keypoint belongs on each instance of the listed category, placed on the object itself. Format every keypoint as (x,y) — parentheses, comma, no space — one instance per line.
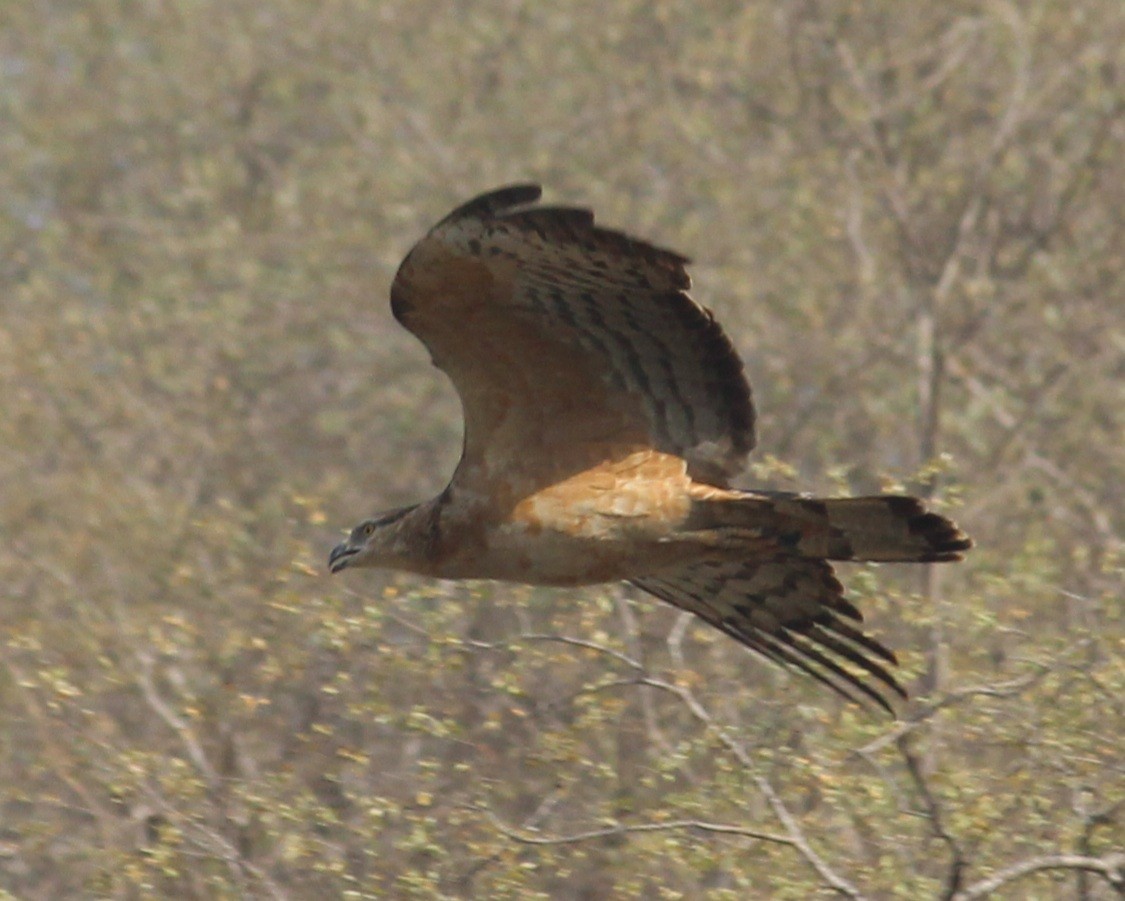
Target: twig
(561,639)
(626,829)
(582,643)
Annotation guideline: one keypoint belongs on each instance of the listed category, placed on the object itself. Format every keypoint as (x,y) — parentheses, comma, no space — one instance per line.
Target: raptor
(606,414)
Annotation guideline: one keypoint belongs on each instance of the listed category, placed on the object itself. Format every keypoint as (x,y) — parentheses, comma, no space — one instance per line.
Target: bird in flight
(605,415)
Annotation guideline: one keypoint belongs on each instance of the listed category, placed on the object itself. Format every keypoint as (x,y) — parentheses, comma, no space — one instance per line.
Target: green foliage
(910,222)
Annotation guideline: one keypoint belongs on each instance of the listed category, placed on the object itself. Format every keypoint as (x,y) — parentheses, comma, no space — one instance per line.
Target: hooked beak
(340,557)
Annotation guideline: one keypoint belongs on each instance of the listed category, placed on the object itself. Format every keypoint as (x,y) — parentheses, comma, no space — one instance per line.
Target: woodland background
(911,218)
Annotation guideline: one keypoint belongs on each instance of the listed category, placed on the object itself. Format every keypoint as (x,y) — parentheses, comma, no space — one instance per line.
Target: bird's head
(374,542)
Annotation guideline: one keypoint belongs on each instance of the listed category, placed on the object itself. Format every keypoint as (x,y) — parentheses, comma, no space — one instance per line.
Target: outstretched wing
(790,610)
(570,344)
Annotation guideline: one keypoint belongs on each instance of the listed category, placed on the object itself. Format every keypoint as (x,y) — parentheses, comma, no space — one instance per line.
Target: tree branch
(626,829)
(176,723)
(1111,867)
(1006,689)
(958,863)
(796,835)
(561,639)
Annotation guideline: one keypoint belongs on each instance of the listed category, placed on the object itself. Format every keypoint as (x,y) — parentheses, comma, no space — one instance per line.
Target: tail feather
(888,528)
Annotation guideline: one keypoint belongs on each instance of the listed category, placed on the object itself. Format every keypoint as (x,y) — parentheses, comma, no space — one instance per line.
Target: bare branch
(675,638)
(52,751)
(1006,689)
(1017,100)
(796,835)
(212,842)
(626,829)
(1111,867)
(175,722)
(933,812)
(890,182)
(636,650)
(561,639)
(583,643)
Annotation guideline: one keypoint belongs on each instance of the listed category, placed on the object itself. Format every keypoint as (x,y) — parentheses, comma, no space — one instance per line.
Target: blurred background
(909,218)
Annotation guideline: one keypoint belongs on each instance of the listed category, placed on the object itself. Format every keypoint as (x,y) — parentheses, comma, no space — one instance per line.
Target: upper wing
(569,343)
(792,611)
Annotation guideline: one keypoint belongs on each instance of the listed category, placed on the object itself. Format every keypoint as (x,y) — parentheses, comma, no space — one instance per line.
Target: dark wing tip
(494,202)
(946,541)
(821,645)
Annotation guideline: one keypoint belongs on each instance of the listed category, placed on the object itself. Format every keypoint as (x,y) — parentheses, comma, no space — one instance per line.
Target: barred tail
(886,528)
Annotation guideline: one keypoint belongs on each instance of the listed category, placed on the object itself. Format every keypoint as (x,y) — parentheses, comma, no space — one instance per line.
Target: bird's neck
(442,539)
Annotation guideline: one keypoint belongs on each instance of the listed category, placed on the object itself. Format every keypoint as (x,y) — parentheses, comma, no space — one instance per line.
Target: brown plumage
(605,414)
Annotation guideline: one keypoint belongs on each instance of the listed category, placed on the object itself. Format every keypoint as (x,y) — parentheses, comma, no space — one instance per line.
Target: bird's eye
(368,529)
